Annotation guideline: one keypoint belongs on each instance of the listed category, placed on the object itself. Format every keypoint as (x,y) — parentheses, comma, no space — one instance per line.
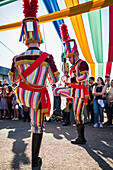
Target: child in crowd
(9,95)
(16,108)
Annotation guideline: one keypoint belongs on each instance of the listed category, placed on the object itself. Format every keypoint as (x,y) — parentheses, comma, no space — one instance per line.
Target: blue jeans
(57,105)
(98,109)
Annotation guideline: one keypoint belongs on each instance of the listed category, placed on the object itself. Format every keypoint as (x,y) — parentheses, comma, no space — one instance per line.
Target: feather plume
(34,7)
(26,7)
(64,32)
(30,8)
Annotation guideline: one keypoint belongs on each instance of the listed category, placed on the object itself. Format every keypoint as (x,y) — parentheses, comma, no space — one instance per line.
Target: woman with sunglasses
(99,101)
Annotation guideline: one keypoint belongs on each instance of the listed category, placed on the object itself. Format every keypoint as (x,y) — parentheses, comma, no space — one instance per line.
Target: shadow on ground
(99,141)
(99,145)
(18,132)
(19,148)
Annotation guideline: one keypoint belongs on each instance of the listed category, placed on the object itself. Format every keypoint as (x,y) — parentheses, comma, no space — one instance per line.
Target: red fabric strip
(110,55)
(35,64)
(72,68)
(45,103)
(86,91)
(108,68)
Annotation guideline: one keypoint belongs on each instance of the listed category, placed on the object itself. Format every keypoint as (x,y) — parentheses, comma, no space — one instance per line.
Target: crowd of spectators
(9,107)
(100,103)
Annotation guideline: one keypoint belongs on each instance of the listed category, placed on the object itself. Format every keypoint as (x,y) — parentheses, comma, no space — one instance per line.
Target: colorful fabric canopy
(95,23)
(110,55)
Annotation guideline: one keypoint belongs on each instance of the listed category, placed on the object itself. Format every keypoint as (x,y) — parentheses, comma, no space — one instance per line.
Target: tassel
(64,33)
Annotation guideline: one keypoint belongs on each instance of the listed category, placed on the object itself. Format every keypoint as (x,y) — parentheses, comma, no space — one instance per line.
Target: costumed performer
(31,69)
(79,83)
(65,80)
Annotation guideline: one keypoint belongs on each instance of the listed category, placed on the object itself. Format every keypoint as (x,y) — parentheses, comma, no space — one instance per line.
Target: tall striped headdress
(70,44)
(30,26)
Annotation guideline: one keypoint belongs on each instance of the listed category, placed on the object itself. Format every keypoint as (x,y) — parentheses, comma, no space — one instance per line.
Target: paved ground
(56,150)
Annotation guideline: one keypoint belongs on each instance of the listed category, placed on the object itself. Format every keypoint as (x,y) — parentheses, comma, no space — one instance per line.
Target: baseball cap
(107,76)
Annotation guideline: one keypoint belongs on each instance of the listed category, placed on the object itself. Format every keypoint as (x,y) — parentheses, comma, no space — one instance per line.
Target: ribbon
(45,100)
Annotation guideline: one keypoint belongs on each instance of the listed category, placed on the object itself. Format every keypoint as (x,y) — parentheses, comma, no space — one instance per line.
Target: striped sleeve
(13,72)
(82,72)
(53,71)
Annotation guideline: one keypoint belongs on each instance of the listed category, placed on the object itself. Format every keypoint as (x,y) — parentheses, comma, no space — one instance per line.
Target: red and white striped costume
(79,88)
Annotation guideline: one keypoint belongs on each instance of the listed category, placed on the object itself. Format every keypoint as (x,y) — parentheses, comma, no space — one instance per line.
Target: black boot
(63,115)
(81,139)
(24,117)
(36,160)
(67,119)
(57,103)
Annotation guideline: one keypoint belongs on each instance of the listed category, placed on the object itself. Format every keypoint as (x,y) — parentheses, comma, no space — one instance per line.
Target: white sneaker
(101,125)
(13,118)
(16,119)
(95,125)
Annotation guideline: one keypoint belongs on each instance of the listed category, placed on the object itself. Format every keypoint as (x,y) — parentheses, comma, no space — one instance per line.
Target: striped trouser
(37,121)
(78,106)
(78,103)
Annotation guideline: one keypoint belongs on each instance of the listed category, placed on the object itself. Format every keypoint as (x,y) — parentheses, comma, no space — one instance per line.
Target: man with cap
(31,69)
(107,80)
(79,84)
(107,85)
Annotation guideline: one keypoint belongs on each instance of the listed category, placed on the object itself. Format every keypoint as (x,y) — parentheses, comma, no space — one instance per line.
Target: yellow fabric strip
(56,73)
(30,34)
(85,71)
(92,66)
(10,74)
(17,97)
(30,62)
(75,10)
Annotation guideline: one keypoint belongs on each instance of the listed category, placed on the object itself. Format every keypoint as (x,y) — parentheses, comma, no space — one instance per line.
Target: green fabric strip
(100,69)
(5,2)
(95,24)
